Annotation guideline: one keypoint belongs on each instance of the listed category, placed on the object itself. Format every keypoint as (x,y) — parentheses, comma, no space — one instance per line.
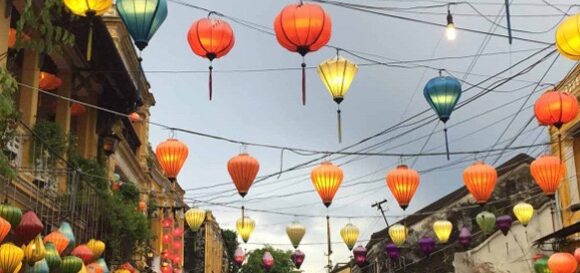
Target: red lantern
(48,81)
(77,109)
(177,233)
(177,245)
(166,239)
(171,155)
(556,108)
(58,239)
(142,206)
(577,254)
(116,186)
(167,222)
(327,178)
(83,252)
(4,228)
(480,180)
(167,269)
(12,38)
(303,28)
(562,263)
(403,183)
(548,171)
(134,117)
(210,38)
(29,227)
(243,169)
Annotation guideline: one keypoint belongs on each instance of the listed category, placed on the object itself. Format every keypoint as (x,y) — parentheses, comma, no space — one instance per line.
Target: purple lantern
(504,223)
(297,258)
(393,251)
(239,257)
(267,261)
(427,245)
(465,237)
(360,255)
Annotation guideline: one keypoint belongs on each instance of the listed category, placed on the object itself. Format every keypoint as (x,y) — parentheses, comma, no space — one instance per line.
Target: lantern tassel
(90,42)
(560,144)
(303,83)
(210,82)
(339,122)
(446,141)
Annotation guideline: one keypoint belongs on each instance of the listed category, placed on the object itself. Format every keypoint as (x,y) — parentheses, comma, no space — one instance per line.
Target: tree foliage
(231,242)
(282,262)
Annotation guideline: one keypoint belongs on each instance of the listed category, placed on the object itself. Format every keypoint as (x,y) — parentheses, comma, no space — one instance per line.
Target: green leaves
(282,262)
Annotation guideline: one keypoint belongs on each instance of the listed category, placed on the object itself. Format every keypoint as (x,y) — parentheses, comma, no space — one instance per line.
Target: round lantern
(303,28)
(66,230)
(167,222)
(267,261)
(568,37)
(555,108)
(442,94)
(34,251)
(243,169)
(349,234)
(398,234)
(4,228)
(465,237)
(524,212)
(541,266)
(486,222)
(504,223)
(295,232)
(562,262)
(52,257)
(90,9)
(177,233)
(297,258)
(548,171)
(480,180)
(442,229)
(10,257)
(337,74)
(38,267)
(171,155)
(326,178)
(427,245)
(30,226)
(59,241)
(403,183)
(97,247)
(48,81)
(360,255)
(83,252)
(194,218)
(11,214)
(393,252)
(245,226)
(211,39)
(239,256)
(142,18)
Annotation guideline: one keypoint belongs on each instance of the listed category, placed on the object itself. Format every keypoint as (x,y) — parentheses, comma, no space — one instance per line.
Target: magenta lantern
(29,227)
(577,255)
(465,237)
(427,245)
(360,255)
(239,256)
(393,251)
(504,223)
(267,261)
(297,258)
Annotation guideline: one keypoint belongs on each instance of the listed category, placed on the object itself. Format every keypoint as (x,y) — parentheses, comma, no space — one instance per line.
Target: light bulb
(450,32)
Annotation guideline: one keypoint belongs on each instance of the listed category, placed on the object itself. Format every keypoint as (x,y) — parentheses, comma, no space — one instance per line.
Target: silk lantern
(442,230)
(59,241)
(398,234)
(48,81)
(71,264)
(195,218)
(568,37)
(66,230)
(562,262)
(13,37)
(297,258)
(480,180)
(52,257)
(524,213)
(4,228)
(548,171)
(427,245)
(337,74)
(83,252)
(504,223)
(327,178)
(243,169)
(211,39)
(10,257)
(171,155)
(303,28)
(77,109)
(393,252)
(11,214)
(349,234)
(442,94)
(245,226)
(403,183)
(89,9)
(97,247)
(142,18)
(239,256)
(34,251)
(38,267)
(486,221)
(267,261)
(295,232)
(541,266)
(360,255)
(30,226)
(465,237)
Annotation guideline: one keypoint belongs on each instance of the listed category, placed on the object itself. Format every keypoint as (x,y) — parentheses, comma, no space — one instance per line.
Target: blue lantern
(442,93)
(142,18)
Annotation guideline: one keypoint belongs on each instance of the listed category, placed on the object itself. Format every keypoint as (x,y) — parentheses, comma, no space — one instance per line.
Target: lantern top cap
(403,166)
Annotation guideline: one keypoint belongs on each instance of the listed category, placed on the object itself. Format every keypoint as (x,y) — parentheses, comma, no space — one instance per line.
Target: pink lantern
(297,258)
(267,261)
(83,252)
(177,232)
(360,255)
(239,256)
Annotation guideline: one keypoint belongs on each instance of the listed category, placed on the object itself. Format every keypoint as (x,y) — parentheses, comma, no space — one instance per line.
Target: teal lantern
(486,222)
(142,18)
(38,267)
(66,230)
(442,94)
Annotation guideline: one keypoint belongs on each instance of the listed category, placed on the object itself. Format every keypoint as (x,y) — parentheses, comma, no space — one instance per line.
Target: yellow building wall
(214,246)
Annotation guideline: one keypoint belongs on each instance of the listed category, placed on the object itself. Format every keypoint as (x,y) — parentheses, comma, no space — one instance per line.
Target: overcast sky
(264,107)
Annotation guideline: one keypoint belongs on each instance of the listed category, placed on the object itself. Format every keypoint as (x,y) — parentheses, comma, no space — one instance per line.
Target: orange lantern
(58,239)
(4,228)
(210,38)
(303,28)
(403,183)
(548,171)
(480,180)
(243,169)
(556,108)
(326,178)
(171,155)
(142,206)
(562,263)
(77,109)
(48,81)
(12,38)
(134,117)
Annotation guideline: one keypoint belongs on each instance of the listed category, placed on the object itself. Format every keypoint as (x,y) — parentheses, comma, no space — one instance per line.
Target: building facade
(205,250)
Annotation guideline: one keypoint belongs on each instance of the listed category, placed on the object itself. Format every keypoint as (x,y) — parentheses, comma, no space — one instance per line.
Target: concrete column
(63,120)
(87,131)
(28,102)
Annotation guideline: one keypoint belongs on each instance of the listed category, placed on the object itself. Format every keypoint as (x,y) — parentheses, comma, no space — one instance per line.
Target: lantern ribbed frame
(398,234)
(142,18)
(524,212)
(211,38)
(403,183)
(88,7)
(245,227)
(243,170)
(442,230)
(303,28)
(337,75)
(548,172)
(171,155)
(568,37)
(556,108)
(195,218)
(327,179)
(295,232)
(480,180)
(349,234)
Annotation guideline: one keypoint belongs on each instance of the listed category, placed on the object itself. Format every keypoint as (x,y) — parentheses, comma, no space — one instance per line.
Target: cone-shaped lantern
(568,37)
(243,169)
(427,245)
(480,180)
(541,266)
(71,264)
(142,18)
(195,218)
(398,234)
(30,226)
(97,247)
(349,234)
(90,9)
(548,171)
(393,252)
(562,262)
(11,214)
(239,256)
(486,222)
(326,178)
(59,241)
(83,252)
(442,230)
(303,28)
(295,232)
(211,39)
(34,251)
(360,255)
(38,267)
(10,257)
(297,258)
(504,223)
(524,212)
(337,74)
(171,155)
(465,237)
(4,228)
(245,226)
(267,261)
(403,183)
(66,230)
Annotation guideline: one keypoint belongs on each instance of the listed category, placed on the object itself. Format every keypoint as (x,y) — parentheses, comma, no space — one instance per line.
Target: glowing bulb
(450,32)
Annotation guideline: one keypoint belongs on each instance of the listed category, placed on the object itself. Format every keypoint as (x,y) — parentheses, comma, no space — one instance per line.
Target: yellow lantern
(245,226)
(34,251)
(83,269)
(398,234)
(18,268)
(295,232)
(89,8)
(97,247)
(349,234)
(10,257)
(442,229)
(568,37)
(337,74)
(524,212)
(194,218)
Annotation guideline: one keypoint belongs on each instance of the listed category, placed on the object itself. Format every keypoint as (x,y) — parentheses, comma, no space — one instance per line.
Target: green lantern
(52,257)
(12,214)
(486,222)
(142,18)
(38,267)
(541,266)
(71,264)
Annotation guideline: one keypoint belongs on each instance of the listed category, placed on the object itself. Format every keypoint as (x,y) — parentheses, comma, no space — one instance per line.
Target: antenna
(379,207)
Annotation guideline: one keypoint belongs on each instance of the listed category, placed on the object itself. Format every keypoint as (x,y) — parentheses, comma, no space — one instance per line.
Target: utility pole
(379,207)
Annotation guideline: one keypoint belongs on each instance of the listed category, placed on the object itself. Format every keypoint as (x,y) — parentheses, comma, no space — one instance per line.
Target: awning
(560,234)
